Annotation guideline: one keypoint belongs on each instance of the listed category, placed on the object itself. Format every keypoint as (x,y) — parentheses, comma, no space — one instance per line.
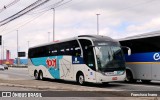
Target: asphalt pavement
(19,79)
(21,76)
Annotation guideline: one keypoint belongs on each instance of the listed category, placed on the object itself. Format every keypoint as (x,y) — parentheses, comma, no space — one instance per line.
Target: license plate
(109,73)
(114,78)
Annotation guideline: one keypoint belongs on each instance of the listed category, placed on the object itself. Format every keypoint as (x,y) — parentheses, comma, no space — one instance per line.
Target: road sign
(21,54)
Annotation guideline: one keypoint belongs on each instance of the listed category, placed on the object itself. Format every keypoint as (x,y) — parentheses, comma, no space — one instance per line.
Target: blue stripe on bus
(143,57)
(42,61)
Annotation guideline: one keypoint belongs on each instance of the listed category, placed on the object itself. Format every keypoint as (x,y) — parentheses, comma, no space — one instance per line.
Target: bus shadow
(153,83)
(109,85)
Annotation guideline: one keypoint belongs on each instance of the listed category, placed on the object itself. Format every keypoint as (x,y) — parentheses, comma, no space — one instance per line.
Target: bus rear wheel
(80,79)
(105,83)
(36,75)
(41,75)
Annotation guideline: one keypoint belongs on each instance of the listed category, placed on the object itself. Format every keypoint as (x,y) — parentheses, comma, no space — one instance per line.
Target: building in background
(7,61)
(21,61)
(10,61)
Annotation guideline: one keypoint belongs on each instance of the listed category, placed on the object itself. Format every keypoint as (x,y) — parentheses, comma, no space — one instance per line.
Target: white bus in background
(144,63)
(86,58)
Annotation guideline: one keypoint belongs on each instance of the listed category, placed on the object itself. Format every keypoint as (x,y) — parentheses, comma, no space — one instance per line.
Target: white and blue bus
(144,63)
(85,58)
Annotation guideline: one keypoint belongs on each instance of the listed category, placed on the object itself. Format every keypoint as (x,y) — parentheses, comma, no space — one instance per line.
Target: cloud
(117,19)
(148,26)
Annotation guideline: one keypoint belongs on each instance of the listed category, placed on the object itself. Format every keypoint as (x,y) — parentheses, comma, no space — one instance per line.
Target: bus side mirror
(129,50)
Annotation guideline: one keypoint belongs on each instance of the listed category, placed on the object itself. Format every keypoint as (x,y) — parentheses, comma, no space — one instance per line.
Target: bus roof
(93,37)
(143,35)
(98,37)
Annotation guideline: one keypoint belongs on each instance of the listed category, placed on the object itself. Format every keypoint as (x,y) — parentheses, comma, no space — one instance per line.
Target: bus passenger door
(89,60)
(155,71)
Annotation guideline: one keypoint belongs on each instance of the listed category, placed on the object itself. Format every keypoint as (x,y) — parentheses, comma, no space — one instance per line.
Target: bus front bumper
(104,78)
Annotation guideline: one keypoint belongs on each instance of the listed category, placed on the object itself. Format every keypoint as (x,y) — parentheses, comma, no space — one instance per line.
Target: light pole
(28,50)
(28,44)
(53,24)
(97,24)
(3,51)
(48,36)
(17,48)
(58,4)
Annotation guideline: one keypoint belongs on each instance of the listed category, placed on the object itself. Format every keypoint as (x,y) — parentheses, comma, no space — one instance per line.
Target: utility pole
(97,24)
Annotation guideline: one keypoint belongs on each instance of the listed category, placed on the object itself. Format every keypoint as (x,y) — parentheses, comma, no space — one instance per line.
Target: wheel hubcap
(36,75)
(128,78)
(41,76)
(81,79)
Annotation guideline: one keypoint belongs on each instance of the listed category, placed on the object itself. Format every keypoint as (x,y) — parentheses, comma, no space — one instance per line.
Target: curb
(53,88)
(26,86)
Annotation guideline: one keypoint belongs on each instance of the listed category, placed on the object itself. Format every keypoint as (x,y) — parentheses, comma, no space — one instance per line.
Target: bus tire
(146,81)
(40,75)
(80,79)
(36,75)
(129,77)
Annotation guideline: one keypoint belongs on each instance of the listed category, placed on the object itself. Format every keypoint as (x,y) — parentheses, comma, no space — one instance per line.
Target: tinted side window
(66,48)
(52,50)
(37,52)
(150,44)
(69,48)
(30,53)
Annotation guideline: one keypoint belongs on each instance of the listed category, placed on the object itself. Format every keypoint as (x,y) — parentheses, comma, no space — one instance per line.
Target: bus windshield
(109,56)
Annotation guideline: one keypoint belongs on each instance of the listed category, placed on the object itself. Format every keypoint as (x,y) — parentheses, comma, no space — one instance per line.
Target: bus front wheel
(80,79)
(129,77)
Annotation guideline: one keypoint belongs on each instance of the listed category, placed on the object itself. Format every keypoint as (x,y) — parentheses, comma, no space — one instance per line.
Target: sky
(117,19)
